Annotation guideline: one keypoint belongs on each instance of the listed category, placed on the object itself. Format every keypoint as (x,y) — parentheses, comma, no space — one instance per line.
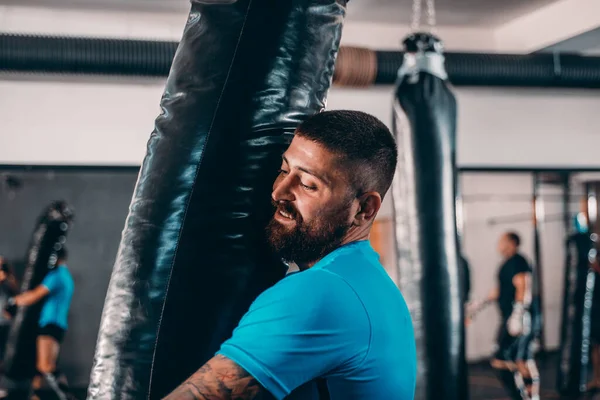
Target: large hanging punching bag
(572,370)
(424,196)
(193,255)
(49,236)
(582,248)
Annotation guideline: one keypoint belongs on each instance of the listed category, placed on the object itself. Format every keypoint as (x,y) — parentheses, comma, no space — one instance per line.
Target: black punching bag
(193,254)
(574,360)
(424,195)
(582,248)
(49,236)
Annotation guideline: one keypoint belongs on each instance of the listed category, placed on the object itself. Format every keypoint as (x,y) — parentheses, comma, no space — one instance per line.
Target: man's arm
(25,299)
(31,296)
(519,321)
(52,283)
(284,347)
(493,294)
(522,283)
(219,379)
(473,308)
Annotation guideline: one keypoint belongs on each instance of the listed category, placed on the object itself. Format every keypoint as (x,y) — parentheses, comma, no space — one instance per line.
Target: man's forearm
(25,299)
(31,296)
(218,379)
(493,294)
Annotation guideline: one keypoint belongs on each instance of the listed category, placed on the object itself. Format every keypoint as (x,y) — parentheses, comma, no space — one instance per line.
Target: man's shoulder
(315,280)
(522,261)
(311,288)
(64,274)
(515,265)
(53,273)
(310,299)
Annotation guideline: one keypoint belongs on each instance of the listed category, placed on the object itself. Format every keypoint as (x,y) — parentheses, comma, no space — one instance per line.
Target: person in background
(56,290)
(513,360)
(8,288)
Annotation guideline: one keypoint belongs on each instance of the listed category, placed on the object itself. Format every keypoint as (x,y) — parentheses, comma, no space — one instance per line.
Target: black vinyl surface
(192,256)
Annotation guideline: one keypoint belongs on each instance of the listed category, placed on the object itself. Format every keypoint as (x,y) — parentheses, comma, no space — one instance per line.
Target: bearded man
(340,321)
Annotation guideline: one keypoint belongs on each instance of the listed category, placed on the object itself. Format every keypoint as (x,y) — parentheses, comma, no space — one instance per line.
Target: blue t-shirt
(343,319)
(56,307)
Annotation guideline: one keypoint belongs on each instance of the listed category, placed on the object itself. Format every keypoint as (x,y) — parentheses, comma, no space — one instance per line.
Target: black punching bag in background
(582,248)
(574,360)
(49,236)
(424,191)
(193,254)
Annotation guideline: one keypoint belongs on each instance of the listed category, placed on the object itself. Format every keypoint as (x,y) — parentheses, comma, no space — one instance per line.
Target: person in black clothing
(513,359)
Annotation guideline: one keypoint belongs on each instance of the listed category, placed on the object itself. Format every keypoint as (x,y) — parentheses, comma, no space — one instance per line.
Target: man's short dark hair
(365,145)
(62,254)
(514,237)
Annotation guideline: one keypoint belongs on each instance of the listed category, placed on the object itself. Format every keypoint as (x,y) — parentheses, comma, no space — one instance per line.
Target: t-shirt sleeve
(52,281)
(308,325)
(521,265)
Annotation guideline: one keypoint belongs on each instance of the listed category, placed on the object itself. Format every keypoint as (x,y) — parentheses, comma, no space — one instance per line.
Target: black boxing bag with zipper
(193,255)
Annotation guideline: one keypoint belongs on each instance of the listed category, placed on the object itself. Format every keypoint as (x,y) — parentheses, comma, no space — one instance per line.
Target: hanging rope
(417,14)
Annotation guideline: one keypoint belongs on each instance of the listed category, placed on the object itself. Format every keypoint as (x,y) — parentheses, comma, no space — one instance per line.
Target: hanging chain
(431,14)
(416,15)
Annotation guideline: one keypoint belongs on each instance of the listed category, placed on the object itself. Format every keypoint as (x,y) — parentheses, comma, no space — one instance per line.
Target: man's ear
(368,206)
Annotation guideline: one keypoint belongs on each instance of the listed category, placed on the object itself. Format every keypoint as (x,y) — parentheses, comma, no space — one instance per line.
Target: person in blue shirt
(56,291)
(339,325)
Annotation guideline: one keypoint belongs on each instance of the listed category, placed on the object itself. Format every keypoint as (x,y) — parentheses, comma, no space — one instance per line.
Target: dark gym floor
(485,386)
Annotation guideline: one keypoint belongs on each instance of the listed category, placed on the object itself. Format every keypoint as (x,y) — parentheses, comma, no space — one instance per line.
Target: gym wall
(497,127)
(479,242)
(100,199)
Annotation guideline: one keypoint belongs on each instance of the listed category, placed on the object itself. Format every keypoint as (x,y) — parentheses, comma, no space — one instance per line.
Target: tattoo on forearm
(218,379)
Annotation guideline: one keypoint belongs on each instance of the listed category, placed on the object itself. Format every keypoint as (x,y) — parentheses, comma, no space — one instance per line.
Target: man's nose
(282,189)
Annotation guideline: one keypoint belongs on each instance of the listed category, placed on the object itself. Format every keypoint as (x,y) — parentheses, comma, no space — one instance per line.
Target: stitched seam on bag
(192,192)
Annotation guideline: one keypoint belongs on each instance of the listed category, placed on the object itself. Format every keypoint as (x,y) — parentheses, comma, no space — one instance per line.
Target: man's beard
(308,242)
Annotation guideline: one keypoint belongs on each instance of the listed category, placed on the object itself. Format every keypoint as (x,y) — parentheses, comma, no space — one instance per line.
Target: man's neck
(305,266)
(357,237)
